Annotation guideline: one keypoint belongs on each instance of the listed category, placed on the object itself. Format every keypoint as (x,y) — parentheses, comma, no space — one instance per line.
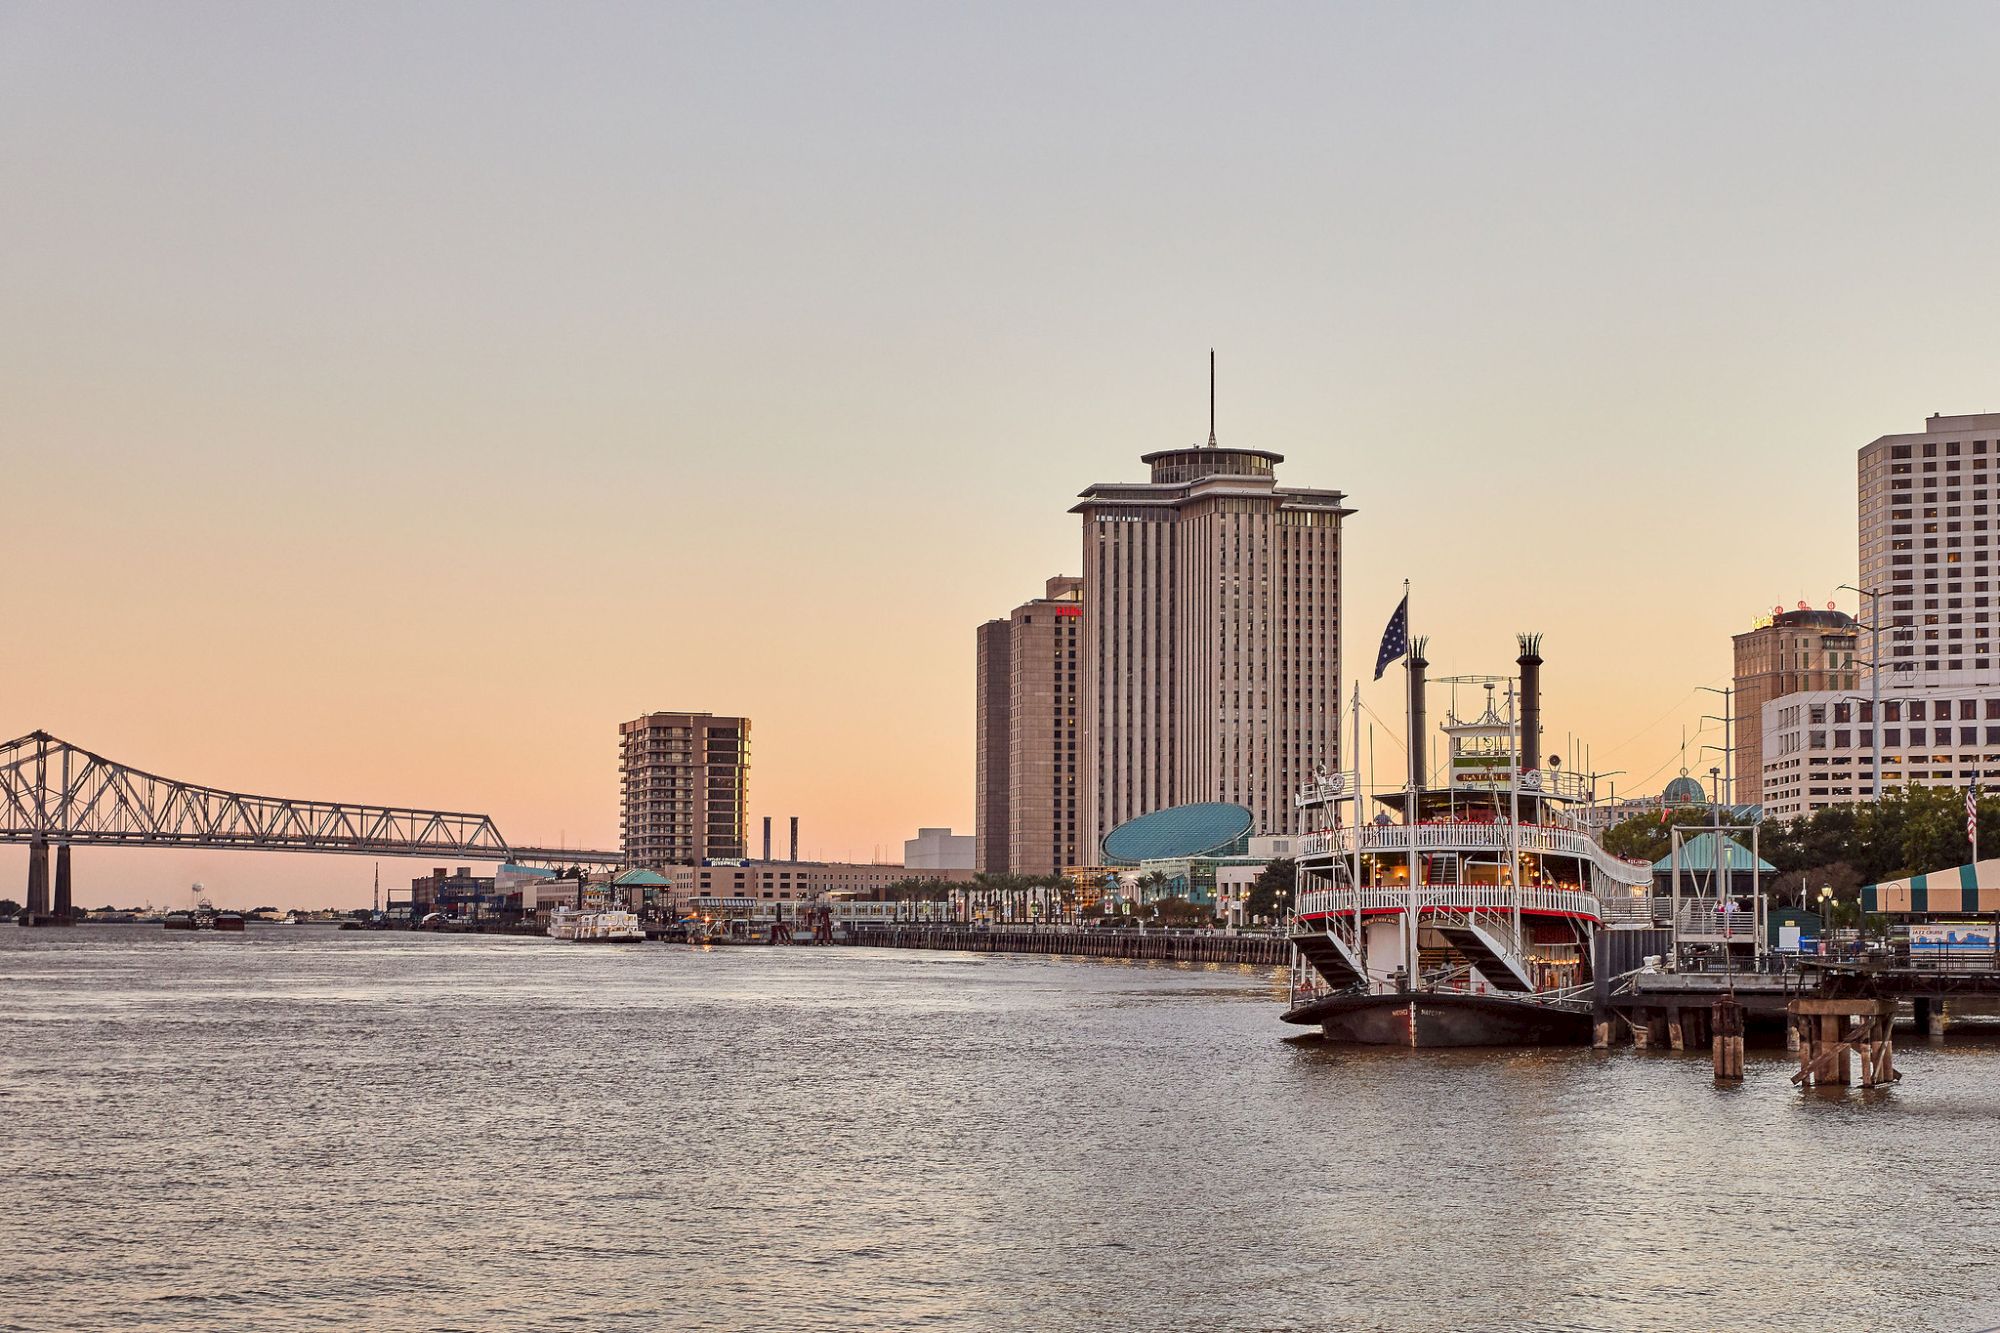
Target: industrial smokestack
(795,839)
(767,837)
(1419,740)
(1530,662)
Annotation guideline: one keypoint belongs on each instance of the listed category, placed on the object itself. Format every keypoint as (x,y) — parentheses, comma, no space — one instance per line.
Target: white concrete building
(939,849)
(1819,745)
(1929,514)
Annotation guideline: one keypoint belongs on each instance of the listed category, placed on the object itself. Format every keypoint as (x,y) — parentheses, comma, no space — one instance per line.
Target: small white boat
(611,926)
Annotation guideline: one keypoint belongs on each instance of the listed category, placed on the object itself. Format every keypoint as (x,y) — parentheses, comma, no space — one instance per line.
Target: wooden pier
(1167,946)
(1833,1032)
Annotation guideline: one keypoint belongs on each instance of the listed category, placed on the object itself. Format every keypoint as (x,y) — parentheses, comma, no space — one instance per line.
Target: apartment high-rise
(1028,774)
(1793,651)
(1211,638)
(685,779)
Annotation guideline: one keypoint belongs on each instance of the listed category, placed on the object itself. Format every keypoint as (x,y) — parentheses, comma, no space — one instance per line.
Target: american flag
(1395,639)
(1972,813)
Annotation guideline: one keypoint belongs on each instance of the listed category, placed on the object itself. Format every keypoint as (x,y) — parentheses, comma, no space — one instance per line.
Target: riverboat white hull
(586,927)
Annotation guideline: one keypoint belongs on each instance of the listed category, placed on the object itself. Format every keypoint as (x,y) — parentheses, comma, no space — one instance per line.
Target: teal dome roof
(1207,828)
(1685,790)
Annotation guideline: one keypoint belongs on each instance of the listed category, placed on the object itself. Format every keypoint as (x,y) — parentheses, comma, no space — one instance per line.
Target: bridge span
(55,794)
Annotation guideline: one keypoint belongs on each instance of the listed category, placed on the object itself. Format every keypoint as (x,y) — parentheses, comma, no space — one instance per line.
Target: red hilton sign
(1069,610)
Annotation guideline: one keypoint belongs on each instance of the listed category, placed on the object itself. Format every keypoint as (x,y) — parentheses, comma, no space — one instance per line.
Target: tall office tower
(1927,523)
(1027,735)
(685,780)
(1211,638)
(992,744)
(1784,654)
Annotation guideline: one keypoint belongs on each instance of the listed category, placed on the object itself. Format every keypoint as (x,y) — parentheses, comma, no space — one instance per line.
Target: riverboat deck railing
(1468,836)
(1707,918)
(1449,898)
(1327,789)
(1632,909)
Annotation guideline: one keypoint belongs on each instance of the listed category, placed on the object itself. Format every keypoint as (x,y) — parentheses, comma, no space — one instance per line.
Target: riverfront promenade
(1179,946)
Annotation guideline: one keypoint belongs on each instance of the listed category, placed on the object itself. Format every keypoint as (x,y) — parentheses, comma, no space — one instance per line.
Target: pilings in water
(1650,1029)
(1160,946)
(1603,1019)
(1726,1022)
(1833,1034)
(1930,1016)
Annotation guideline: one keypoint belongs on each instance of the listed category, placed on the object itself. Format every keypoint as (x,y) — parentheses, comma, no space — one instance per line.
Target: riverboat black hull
(1442,1019)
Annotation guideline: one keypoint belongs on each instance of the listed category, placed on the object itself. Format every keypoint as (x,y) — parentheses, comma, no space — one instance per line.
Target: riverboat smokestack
(1419,741)
(767,837)
(795,839)
(1530,662)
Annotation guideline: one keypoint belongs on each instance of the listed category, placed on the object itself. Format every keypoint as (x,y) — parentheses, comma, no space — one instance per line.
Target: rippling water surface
(300,1128)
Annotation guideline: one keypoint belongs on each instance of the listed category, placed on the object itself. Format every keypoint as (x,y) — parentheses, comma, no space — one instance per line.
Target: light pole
(1874,675)
(1611,803)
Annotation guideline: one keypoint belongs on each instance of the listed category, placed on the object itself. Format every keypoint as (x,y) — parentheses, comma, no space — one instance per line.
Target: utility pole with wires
(1728,746)
(1874,664)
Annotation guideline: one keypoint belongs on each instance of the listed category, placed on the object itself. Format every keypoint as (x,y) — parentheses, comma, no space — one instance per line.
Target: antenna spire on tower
(1211,397)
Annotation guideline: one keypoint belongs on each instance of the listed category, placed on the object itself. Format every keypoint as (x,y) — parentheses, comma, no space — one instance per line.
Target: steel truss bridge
(55,793)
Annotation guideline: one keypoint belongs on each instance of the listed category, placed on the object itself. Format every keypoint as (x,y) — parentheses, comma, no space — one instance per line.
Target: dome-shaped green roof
(1206,828)
(1685,790)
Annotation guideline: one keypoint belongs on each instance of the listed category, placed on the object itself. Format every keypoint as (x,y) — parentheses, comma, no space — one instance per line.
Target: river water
(300,1128)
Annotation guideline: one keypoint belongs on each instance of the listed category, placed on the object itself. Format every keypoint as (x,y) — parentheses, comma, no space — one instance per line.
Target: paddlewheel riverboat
(1463,914)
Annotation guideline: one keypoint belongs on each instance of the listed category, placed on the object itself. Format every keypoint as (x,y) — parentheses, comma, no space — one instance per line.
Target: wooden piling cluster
(1159,946)
(1726,1041)
(1833,1033)
(1680,1027)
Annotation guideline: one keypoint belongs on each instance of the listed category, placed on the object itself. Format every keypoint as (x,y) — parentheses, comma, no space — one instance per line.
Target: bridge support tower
(38,882)
(65,910)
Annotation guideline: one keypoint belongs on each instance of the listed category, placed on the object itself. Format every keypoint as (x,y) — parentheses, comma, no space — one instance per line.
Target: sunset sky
(395,398)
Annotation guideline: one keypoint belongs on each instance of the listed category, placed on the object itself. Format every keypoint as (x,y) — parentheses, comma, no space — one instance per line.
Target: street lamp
(1874,674)
(1826,919)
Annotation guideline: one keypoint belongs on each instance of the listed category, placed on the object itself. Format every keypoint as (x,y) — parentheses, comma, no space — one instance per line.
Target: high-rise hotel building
(685,780)
(1930,507)
(1929,515)
(1210,638)
(1028,775)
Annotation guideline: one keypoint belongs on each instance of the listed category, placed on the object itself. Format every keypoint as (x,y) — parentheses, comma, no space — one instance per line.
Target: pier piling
(1726,1019)
(1833,1033)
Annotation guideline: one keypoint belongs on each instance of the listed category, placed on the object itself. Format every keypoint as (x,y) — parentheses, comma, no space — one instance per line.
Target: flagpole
(1410,663)
(1360,817)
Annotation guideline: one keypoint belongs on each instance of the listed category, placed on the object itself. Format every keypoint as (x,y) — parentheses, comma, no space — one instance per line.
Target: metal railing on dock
(1177,946)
